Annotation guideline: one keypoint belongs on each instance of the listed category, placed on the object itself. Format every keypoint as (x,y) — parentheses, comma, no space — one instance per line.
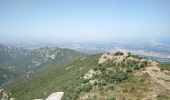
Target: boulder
(55,96)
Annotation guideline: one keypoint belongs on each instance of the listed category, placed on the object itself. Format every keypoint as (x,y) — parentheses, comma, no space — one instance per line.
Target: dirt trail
(162,81)
(157,75)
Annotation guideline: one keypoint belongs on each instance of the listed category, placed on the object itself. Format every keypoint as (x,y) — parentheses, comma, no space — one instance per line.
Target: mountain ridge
(24,62)
(116,75)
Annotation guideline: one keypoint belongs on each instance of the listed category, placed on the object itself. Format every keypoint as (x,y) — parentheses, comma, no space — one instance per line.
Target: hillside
(121,75)
(5,75)
(10,53)
(117,75)
(25,62)
(54,79)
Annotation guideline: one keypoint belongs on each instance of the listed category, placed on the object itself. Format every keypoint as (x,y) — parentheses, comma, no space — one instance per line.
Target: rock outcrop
(55,96)
(117,56)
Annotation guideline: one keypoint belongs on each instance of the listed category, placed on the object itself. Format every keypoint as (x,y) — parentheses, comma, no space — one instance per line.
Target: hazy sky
(84,19)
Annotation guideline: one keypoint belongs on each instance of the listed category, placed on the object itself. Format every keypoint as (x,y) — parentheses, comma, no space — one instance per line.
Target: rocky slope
(120,75)
(117,75)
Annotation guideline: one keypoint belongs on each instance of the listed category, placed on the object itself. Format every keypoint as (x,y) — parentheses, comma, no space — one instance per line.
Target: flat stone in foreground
(55,96)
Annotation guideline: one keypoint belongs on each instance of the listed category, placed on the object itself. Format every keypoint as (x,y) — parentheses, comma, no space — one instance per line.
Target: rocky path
(156,74)
(162,81)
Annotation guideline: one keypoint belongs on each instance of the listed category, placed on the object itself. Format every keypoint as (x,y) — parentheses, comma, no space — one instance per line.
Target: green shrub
(134,89)
(118,53)
(124,90)
(93,97)
(111,98)
(165,67)
(163,97)
(87,87)
(95,68)
(129,70)
(119,76)
(142,65)
(108,64)
(111,87)
(136,68)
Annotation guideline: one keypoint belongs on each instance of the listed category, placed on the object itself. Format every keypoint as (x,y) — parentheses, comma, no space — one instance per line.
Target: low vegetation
(87,79)
(109,76)
(165,67)
(56,78)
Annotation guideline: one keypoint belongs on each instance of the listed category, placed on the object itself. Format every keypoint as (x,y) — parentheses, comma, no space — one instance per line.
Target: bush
(108,64)
(99,64)
(136,68)
(87,87)
(163,97)
(165,67)
(125,90)
(134,89)
(111,98)
(111,87)
(84,80)
(142,65)
(93,97)
(103,82)
(95,68)
(118,53)
(129,70)
(145,63)
(119,76)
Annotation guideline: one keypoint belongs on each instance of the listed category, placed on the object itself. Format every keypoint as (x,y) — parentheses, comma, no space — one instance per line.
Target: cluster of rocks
(90,74)
(5,96)
(117,56)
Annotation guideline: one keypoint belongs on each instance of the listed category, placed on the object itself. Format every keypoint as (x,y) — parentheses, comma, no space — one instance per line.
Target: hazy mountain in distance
(5,75)
(25,61)
(10,53)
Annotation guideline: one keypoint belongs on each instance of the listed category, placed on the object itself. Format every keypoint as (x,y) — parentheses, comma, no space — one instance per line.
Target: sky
(84,20)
